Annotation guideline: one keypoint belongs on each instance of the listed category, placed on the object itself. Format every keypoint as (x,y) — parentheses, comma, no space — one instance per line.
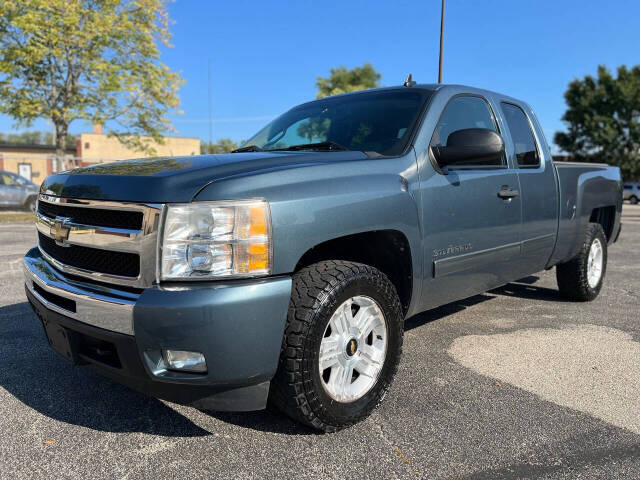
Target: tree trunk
(61,145)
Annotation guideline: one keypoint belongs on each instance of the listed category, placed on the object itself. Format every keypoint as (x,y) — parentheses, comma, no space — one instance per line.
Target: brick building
(96,147)
(35,162)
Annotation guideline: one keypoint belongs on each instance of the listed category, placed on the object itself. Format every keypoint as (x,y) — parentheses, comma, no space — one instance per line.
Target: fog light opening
(184,361)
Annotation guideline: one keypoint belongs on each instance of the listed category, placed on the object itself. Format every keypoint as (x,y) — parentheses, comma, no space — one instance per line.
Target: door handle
(508,193)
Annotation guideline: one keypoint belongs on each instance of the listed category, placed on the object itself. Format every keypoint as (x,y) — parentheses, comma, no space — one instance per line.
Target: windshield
(380,122)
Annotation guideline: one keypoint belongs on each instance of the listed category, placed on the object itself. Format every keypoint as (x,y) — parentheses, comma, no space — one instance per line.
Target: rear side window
(521,136)
(461,113)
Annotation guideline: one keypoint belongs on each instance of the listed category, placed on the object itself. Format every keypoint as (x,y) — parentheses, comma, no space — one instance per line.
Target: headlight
(204,240)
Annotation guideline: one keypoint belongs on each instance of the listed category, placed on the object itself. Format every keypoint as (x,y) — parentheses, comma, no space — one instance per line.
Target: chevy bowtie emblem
(59,231)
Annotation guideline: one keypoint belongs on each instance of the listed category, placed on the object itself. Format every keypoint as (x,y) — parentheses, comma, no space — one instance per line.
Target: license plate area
(62,341)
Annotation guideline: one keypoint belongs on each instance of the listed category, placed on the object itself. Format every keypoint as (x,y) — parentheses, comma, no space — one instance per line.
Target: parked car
(631,192)
(17,192)
(283,272)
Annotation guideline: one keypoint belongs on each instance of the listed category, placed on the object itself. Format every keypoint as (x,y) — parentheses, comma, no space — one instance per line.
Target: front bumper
(238,326)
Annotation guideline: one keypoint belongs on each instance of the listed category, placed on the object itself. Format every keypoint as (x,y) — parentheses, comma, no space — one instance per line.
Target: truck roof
(431,87)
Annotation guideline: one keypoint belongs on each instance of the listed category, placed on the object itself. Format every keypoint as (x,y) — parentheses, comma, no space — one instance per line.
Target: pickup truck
(283,272)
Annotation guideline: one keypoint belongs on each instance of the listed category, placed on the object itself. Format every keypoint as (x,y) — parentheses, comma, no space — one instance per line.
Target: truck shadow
(269,420)
(33,374)
(37,377)
(523,288)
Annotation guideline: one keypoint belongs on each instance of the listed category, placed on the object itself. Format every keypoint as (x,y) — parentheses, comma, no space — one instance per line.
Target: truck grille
(92,259)
(106,242)
(93,216)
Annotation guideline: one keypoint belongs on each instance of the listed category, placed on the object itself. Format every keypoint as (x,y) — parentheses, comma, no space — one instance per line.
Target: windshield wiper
(248,148)
(329,146)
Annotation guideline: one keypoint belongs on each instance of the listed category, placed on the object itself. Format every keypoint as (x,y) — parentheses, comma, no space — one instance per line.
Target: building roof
(34,146)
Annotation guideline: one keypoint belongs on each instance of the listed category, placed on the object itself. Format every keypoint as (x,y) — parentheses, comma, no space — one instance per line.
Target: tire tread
(312,287)
(572,275)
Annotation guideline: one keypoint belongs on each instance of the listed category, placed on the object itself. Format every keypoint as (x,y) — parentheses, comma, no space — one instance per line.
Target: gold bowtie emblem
(59,231)
(351,347)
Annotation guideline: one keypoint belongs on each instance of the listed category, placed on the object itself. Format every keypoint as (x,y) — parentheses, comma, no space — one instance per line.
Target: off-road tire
(572,275)
(317,292)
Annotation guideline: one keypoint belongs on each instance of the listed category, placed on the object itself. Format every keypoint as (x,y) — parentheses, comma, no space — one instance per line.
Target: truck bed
(588,192)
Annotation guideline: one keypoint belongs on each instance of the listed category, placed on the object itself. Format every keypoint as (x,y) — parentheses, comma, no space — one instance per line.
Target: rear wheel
(342,345)
(633,200)
(581,278)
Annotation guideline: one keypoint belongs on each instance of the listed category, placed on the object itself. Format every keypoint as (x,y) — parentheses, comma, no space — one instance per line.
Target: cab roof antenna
(409,82)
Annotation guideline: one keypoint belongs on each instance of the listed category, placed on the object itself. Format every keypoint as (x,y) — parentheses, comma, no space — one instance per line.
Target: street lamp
(441,38)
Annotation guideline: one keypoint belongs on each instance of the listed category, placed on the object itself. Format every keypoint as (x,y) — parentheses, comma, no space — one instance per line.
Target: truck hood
(175,179)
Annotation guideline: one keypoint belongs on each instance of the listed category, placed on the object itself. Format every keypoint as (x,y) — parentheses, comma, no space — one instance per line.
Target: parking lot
(515,383)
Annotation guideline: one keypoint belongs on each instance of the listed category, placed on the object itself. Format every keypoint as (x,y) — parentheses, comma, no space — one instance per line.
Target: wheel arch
(387,250)
(606,217)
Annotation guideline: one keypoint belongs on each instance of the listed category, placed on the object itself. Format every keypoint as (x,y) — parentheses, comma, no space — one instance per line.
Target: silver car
(17,192)
(631,193)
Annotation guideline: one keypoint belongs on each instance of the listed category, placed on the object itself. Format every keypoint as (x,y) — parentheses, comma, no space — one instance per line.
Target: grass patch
(8,217)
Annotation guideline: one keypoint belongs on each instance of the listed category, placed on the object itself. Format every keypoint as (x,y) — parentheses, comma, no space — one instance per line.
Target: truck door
(471,215)
(538,188)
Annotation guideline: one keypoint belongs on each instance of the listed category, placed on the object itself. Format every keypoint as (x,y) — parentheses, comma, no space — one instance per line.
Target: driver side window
(461,113)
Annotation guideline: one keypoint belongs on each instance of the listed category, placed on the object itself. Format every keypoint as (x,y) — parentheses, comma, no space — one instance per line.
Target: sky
(265,56)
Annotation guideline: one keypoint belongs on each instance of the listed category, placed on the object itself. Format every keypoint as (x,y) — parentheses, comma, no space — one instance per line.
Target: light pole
(209,95)
(441,39)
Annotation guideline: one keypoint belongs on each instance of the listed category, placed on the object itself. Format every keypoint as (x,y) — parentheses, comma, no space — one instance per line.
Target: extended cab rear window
(521,135)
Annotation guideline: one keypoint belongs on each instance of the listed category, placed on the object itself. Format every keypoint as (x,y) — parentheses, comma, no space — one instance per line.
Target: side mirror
(470,146)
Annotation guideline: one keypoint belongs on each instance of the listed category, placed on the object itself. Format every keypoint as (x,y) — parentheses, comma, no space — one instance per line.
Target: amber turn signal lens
(258,220)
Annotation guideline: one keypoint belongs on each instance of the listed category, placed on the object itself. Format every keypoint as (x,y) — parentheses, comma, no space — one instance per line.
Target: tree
(33,137)
(85,59)
(603,120)
(314,128)
(342,80)
(223,145)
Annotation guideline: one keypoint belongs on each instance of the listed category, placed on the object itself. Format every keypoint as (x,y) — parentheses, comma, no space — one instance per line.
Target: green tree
(34,137)
(314,128)
(342,80)
(603,120)
(96,60)
(223,145)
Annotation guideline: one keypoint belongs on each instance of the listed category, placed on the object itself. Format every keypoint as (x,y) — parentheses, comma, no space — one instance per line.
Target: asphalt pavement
(514,383)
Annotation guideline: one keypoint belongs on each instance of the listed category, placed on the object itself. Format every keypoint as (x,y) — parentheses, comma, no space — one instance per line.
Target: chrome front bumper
(96,305)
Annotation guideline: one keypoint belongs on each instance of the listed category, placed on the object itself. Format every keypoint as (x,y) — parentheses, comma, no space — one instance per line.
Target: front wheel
(633,200)
(581,278)
(30,205)
(342,345)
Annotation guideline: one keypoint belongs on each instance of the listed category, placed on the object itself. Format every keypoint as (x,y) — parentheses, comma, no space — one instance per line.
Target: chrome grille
(96,216)
(113,242)
(123,264)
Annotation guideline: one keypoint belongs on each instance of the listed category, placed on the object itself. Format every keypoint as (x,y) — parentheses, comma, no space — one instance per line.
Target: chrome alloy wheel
(595,263)
(353,349)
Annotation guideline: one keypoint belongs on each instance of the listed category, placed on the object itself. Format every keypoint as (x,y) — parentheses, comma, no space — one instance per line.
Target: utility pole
(209,92)
(441,40)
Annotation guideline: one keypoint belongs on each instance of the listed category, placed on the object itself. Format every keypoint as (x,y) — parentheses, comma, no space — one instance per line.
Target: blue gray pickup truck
(283,272)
